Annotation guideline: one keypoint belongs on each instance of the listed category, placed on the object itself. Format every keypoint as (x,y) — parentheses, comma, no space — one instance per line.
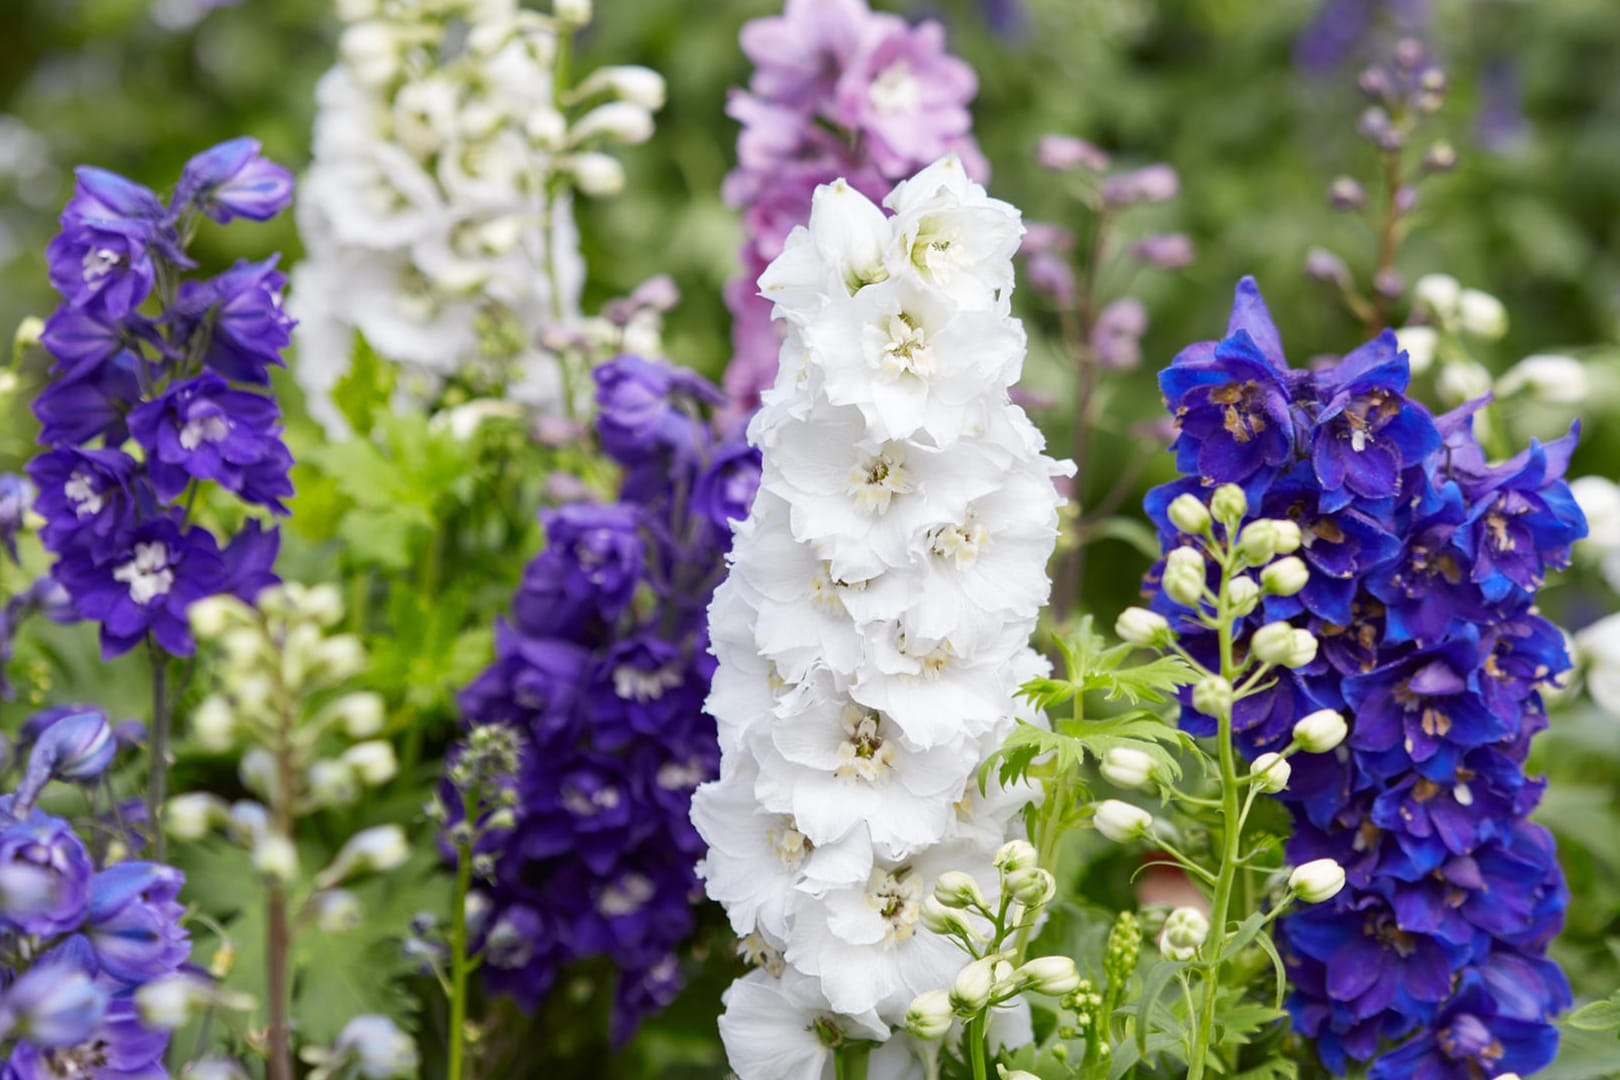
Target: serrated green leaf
(1597,1016)
(367,388)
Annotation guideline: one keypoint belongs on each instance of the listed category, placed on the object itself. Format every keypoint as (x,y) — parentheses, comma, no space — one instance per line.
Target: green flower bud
(1242,595)
(1283,645)
(1144,628)
(1285,577)
(1184,933)
(930,1015)
(1016,855)
(958,889)
(1229,504)
(1120,821)
(1189,514)
(1032,887)
(970,992)
(1124,946)
(1127,768)
(1271,773)
(1053,976)
(1317,880)
(1213,695)
(1321,731)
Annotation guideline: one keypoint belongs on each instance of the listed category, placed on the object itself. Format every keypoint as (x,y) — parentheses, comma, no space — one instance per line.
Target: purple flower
(535,685)
(202,429)
(1152,183)
(798,54)
(119,1048)
(233,180)
(133,923)
(590,568)
(87,497)
(1164,251)
(639,417)
(145,586)
(725,489)
(16,498)
(55,1003)
(79,340)
(45,852)
(92,404)
(76,744)
(1472,1036)
(1117,336)
(1368,434)
(1062,153)
(102,260)
(906,95)
(250,560)
(1232,406)
(240,311)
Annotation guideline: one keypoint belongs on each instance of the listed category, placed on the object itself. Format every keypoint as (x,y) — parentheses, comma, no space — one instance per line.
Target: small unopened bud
(1127,768)
(1188,513)
(1556,380)
(1243,595)
(1324,266)
(970,991)
(1346,194)
(1439,158)
(1462,380)
(213,724)
(958,889)
(257,771)
(1420,344)
(168,1002)
(1320,731)
(930,1015)
(1032,887)
(597,175)
(1139,626)
(1184,933)
(546,128)
(1016,855)
(359,715)
(1317,880)
(1164,251)
(628,82)
(1185,576)
(1124,946)
(333,783)
(1120,821)
(1283,645)
(191,816)
(1481,314)
(1267,538)
(337,911)
(1153,183)
(322,604)
(212,615)
(373,762)
(275,857)
(1271,773)
(939,919)
(375,850)
(1285,577)
(1062,153)
(1213,696)
(1229,504)
(617,121)
(339,658)
(1052,976)
(1439,294)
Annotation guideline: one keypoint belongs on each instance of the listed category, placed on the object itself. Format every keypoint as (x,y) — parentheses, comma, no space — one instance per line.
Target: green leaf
(1154,984)
(1270,949)
(367,389)
(1597,1016)
(1129,530)
(1246,932)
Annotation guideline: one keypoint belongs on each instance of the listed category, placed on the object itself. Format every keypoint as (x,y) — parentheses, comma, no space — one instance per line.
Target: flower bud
(958,889)
(1346,194)
(168,1002)
(1283,645)
(1185,577)
(373,762)
(1320,731)
(1556,380)
(1165,251)
(375,850)
(257,770)
(371,52)
(970,991)
(1062,153)
(1189,514)
(323,604)
(939,919)
(1286,576)
(337,911)
(212,615)
(213,725)
(1139,626)
(1124,946)
(333,783)
(546,128)
(1264,539)
(1032,887)
(617,121)
(1317,880)
(598,175)
(214,1068)
(640,86)
(339,658)
(1229,504)
(930,1015)
(1016,855)
(191,816)
(1271,773)
(376,1047)
(1324,266)
(1463,380)
(1127,768)
(572,12)
(1420,343)
(275,857)
(1185,932)
(1052,976)
(359,715)
(1120,821)
(1440,294)
(1242,595)
(1481,314)
(1213,695)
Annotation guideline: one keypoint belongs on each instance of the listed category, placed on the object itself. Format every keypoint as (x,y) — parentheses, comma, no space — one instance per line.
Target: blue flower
(1471,1037)
(240,312)
(48,867)
(92,404)
(202,429)
(594,559)
(133,922)
(233,180)
(79,341)
(102,260)
(55,1003)
(1522,519)
(88,498)
(1339,547)
(250,558)
(535,685)
(16,499)
(77,744)
(639,409)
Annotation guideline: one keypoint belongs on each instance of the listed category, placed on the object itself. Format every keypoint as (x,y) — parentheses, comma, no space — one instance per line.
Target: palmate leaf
(1065,749)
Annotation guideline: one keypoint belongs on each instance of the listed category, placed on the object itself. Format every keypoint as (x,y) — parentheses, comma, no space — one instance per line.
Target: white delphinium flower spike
(874,628)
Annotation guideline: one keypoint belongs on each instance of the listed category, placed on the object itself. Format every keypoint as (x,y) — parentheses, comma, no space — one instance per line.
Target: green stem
(1049,825)
(975,1038)
(157,782)
(850,1062)
(460,963)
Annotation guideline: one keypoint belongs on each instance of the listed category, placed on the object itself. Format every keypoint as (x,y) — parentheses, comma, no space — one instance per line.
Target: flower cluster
(603,669)
(1417,618)
(875,623)
(437,214)
(80,932)
(837,91)
(175,365)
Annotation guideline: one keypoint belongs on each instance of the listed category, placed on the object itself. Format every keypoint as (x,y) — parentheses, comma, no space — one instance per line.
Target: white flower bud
(1127,768)
(374,850)
(1015,855)
(333,783)
(617,121)
(1120,821)
(1052,976)
(546,128)
(1185,932)
(1420,344)
(1481,314)
(572,12)
(191,816)
(1139,626)
(1213,695)
(939,919)
(373,762)
(1242,595)
(213,725)
(1320,731)
(930,1015)
(257,770)
(970,992)
(628,82)
(211,616)
(377,1047)
(360,715)
(337,911)
(1285,577)
(1185,576)
(1317,880)
(1229,504)
(244,646)
(1462,380)
(1440,293)
(597,175)
(323,604)
(1032,887)
(339,658)
(1269,537)
(1556,380)
(275,857)
(1271,773)
(371,52)
(1189,514)
(168,1002)
(1283,645)
(214,1068)
(958,889)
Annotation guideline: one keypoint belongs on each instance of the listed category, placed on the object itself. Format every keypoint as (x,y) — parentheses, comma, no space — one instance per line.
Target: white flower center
(906,351)
(878,478)
(99,262)
(148,574)
(938,251)
(791,845)
(1463,794)
(678,775)
(757,952)
(81,492)
(864,754)
(209,429)
(580,804)
(625,896)
(960,542)
(898,899)
(896,89)
(634,684)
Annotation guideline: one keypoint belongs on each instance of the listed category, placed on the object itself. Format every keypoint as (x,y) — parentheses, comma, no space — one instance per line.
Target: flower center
(212,428)
(827,1031)
(878,478)
(635,684)
(864,754)
(99,262)
(1467,1038)
(149,574)
(1241,415)
(898,898)
(960,542)
(896,89)
(81,492)
(626,896)
(791,845)
(907,351)
(1367,415)
(589,803)
(681,775)
(78,1061)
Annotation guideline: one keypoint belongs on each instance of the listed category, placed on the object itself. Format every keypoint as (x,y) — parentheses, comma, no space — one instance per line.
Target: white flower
(1317,880)
(783,1029)
(954,236)
(1599,645)
(1556,380)
(1419,344)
